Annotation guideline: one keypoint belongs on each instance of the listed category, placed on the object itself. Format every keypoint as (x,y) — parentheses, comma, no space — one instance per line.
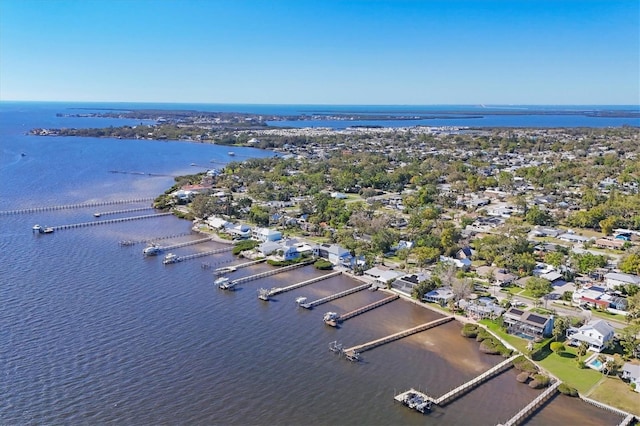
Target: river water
(93,333)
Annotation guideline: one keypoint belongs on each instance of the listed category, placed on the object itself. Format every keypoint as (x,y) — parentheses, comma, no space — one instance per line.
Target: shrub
(487,346)
(523,364)
(323,264)
(244,245)
(541,353)
(523,377)
(567,390)
(470,330)
(581,364)
(557,347)
(539,381)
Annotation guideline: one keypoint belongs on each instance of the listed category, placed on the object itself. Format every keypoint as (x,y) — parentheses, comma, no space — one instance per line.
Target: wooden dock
(467,386)
(522,415)
(185,244)
(126,243)
(354,350)
(366,308)
(331,297)
(197,255)
(230,285)
(75,206)
(108,221)
(278,290)
(240,266)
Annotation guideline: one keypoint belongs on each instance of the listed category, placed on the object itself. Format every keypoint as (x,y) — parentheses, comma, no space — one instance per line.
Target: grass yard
(565,367)
(613,391)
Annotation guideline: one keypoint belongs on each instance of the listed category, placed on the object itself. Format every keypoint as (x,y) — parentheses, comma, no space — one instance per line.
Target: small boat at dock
(331,318)
(221,282)
(170,258)
(152,250)
(97,214)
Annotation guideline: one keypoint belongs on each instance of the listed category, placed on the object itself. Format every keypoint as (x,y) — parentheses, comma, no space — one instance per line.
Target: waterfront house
(407,283)
(631,372)
(333,253)
(216,222)
(382,274)
(527,324)
(483,307)
(596,334)
(266,234)
(239,231)
(440,295)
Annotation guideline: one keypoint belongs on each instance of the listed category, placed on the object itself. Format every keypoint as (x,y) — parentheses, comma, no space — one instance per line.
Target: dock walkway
(232,284)
(236,267)
(465,387)
(185,244)
(197,255)
(331,297)
(352,351)
(75,206)
(522,415)
(108,221)
(366,308)
(278,290)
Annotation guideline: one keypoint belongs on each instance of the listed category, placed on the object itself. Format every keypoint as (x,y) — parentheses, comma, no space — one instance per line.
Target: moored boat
(170,258)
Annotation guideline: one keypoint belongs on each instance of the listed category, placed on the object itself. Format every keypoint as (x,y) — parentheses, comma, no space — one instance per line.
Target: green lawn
(562,366)
(512,290)
(565,367)
(613,391)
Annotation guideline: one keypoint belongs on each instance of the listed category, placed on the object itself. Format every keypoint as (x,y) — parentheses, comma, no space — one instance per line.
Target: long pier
(465,387)
(236,267)
(196,255)
(366,308)
(235,282)
(138,209)
(352,351)
(184,244)
(331,297)
(278,290)
(104,222)
(74,206)
(522,415)
(126,243)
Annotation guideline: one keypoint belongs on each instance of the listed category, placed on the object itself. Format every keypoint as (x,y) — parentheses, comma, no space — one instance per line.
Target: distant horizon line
(479,105)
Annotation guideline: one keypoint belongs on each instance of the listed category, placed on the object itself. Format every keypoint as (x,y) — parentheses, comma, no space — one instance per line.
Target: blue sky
(322,52)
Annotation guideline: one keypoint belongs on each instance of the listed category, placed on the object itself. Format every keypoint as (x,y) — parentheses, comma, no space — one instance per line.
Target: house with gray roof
(631,372)
(596,334)
(527,324)
(614,279)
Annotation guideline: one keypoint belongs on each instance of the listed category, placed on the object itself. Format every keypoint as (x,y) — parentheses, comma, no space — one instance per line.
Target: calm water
(93,333)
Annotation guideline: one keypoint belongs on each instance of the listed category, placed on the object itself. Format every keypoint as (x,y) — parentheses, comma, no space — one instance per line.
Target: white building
(596,334)
(614,279)
(266,234)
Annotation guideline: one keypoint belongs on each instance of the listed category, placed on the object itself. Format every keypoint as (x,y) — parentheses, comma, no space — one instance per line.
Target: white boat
(152,250)
(231,153)
(221,281)
(331,318)
(37,228)
(300,300)
(97,214)
(170,258)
